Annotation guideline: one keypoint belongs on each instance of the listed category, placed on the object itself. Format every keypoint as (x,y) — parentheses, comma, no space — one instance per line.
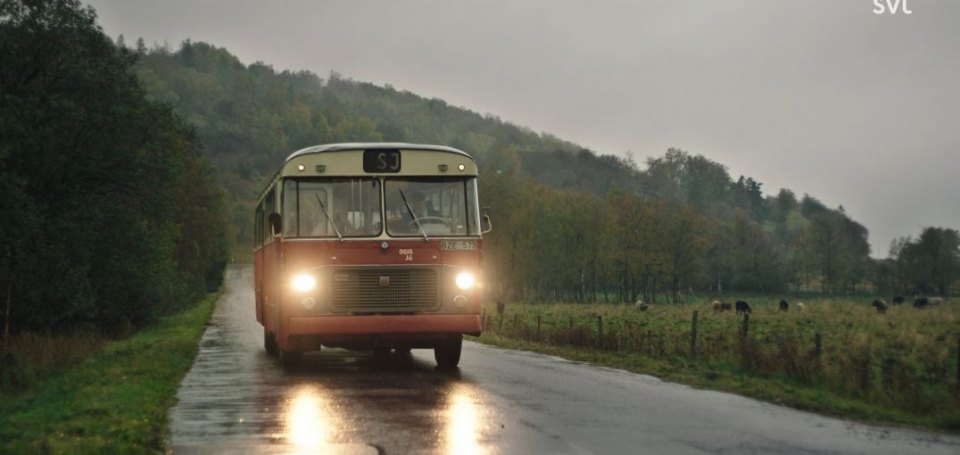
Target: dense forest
(571,224)
(111,217)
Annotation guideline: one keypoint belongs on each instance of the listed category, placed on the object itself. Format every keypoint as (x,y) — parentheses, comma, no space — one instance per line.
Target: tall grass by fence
(908,359)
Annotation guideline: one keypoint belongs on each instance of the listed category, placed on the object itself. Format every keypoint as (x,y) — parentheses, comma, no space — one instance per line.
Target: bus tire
(447,353)
(290,359)
(269,343)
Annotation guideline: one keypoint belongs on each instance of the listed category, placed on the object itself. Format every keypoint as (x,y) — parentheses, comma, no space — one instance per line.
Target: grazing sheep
(880,305)
(898,300)
(743,307)
(726,307)
(500,307)
(801,306)
(784,306)
(643,307)
(921,303)
(936,300)
(716,306)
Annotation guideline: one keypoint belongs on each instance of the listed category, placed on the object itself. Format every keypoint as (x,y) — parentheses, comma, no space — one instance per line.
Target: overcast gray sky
(821,97)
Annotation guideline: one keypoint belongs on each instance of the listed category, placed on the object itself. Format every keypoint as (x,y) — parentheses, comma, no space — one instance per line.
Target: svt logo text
(883,6)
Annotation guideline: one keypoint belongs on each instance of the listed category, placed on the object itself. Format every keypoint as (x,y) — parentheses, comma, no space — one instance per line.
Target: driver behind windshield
(419,206)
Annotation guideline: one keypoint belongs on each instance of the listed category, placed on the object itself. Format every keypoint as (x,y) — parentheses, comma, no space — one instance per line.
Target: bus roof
(359,146)
(372,146)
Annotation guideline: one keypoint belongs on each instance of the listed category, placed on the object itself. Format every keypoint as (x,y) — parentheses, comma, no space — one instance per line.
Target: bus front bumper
(468,324)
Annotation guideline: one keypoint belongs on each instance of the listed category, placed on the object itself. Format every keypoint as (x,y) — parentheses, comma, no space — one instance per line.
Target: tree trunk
(6,318)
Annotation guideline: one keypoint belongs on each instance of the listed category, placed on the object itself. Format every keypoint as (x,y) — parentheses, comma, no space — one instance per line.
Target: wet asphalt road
(236,399)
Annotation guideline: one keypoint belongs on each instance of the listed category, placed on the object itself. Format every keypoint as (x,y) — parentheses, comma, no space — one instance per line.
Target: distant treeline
(623,247)
(569,224)
(109,215)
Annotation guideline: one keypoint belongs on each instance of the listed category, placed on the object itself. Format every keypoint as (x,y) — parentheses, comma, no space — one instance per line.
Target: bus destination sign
(381,161)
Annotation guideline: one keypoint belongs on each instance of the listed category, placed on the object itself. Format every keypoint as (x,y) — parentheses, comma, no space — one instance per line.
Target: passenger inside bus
(343,224)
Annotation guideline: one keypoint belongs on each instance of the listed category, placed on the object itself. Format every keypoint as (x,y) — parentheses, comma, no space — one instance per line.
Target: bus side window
(257,226)
(269,207)
(290,213)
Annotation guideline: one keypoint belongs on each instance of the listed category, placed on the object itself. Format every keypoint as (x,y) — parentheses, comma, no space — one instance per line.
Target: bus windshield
(430,206)
(347,207)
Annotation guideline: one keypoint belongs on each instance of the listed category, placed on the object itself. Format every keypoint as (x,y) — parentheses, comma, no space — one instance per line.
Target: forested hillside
(569,223)
(110,215)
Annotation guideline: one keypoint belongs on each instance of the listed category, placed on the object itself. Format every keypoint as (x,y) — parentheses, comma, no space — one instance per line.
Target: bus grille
(385,290)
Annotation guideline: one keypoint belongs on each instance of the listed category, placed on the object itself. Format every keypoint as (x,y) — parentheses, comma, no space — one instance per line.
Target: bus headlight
(304,283)
(465,280)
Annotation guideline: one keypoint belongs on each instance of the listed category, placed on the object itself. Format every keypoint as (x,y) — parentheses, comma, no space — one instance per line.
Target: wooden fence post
(863,370)
(818,347)
(600,327)
(958,366)
(538,327)
(744,350)
(887,370)
(693,335)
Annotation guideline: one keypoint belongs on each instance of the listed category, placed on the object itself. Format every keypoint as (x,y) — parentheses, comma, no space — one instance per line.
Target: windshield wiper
(339,236)
(414,215)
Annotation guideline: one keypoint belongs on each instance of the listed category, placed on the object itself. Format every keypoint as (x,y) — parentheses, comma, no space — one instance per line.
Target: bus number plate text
(458,245)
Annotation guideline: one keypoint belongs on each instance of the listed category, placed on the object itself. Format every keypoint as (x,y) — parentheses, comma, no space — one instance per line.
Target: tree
(91,173)
(837,249)
(757,264)
(684,243)
(933,260)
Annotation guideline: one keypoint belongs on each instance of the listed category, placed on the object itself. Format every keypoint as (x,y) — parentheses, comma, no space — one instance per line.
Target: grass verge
(730,378)
(114,402)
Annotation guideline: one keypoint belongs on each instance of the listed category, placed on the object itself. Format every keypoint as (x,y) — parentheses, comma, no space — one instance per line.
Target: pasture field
(836,356)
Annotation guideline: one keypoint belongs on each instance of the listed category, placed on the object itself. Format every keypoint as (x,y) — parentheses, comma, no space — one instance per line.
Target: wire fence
(905,362)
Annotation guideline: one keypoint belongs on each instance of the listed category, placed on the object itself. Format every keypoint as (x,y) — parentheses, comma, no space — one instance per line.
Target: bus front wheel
(447,353)
(269,343)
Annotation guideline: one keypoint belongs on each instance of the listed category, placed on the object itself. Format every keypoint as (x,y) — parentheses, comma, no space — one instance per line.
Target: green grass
(897,368)
(115,401)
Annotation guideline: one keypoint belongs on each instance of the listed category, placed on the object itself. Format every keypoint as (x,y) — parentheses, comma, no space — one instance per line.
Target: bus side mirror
(275,224)
(485,224)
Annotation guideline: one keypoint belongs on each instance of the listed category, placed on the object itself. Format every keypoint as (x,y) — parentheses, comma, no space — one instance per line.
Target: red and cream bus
(370,247)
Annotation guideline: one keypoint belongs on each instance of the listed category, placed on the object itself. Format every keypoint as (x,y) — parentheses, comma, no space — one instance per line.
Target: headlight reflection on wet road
(309,422)
(463,422)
